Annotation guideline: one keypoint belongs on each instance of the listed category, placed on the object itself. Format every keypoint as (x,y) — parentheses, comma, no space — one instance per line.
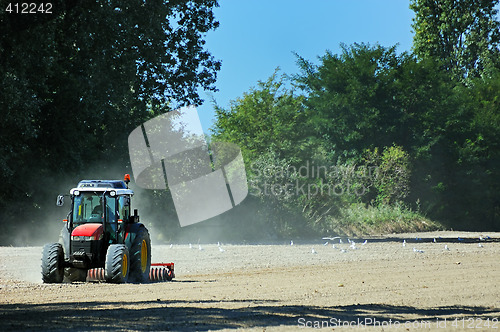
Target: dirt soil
(381,285)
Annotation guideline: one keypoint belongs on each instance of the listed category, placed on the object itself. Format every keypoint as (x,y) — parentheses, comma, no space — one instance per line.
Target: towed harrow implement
(158,272)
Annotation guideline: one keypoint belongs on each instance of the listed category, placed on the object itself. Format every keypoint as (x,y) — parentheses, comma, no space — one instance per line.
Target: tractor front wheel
(116,269)
(52,263)
(140,256)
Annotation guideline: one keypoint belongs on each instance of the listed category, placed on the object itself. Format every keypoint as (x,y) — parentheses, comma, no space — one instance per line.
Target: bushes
(360,219)
(390,130)
(392,174)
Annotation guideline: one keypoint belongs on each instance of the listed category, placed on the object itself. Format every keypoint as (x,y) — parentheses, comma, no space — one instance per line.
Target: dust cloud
(42,224)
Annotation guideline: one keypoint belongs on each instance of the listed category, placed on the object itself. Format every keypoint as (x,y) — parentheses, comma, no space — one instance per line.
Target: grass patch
(358,219)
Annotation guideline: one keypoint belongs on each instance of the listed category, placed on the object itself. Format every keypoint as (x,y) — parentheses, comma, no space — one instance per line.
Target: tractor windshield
(87,207)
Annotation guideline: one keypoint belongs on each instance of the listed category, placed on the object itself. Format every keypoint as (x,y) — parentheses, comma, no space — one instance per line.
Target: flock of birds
(352,244)
(200,248)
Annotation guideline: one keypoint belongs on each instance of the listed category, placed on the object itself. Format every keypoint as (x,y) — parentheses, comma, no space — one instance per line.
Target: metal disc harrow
(96,274)
(158,272)
(161,272)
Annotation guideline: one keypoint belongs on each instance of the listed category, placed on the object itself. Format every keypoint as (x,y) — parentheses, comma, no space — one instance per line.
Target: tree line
(426,123)
(397,141)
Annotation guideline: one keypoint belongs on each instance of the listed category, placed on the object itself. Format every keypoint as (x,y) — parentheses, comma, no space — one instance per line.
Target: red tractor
(100,234)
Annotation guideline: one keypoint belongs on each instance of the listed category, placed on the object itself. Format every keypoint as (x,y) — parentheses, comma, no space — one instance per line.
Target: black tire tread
(52,263)
(113,265)
(136,274)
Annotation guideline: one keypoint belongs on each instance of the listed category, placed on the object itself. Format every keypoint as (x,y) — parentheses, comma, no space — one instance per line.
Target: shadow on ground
(205,315)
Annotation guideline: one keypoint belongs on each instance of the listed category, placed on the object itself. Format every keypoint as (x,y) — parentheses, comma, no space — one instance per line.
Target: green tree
(354,99)
(369,98)
(391,169)
(268,117)
(476,181)
(268,124)
(463,34)
(75,82)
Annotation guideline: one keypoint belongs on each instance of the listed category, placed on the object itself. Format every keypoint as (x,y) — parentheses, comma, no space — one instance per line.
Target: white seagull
(417,250)
(313,251)
(221,249)
(404,243)
(446,247)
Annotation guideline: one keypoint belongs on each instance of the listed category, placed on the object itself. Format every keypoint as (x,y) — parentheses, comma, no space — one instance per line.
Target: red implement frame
(158,272)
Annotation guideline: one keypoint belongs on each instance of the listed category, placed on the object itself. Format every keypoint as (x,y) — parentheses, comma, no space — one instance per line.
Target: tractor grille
(80,247)
(84,254)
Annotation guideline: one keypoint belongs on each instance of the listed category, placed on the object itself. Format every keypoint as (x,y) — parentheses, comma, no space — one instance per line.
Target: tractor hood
(90,231)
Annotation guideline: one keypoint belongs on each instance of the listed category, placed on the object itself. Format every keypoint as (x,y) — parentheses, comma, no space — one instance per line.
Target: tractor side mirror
(60,200)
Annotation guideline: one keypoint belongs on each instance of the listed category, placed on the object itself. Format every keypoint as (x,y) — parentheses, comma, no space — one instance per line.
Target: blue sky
(255,37)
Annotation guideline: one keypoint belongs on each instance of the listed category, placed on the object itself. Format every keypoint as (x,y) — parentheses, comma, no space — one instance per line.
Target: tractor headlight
(82,238)
(112,193)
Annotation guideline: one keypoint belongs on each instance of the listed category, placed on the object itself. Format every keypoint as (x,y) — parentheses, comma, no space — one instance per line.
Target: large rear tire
(52,263)
(116,269)
(140,256)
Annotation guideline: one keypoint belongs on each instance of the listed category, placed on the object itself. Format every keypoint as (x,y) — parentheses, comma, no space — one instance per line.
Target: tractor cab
(102,202)
(99,217)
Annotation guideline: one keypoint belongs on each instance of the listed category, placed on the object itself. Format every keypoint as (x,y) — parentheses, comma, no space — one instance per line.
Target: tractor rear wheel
(52,263)
(116,268)
(140,256)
